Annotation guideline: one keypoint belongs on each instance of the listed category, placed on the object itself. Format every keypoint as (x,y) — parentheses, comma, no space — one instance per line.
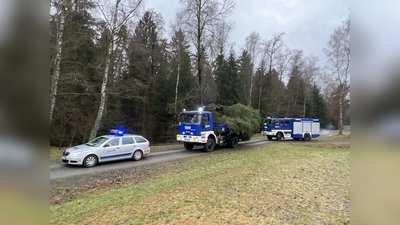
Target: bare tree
(198,18)
(115,16)
(338,63)
(221,32)
(283,61)
(253,47)
(62,8)
(271,51)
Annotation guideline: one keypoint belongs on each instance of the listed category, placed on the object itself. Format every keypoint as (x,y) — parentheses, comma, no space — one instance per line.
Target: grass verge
(273,184)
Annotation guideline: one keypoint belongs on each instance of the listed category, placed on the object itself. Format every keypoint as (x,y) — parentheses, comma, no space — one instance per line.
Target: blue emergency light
(116,132)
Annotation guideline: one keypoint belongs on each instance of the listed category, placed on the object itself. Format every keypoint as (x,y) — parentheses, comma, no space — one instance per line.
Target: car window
(127,140)
(113,142)
(205,118)
(140,140)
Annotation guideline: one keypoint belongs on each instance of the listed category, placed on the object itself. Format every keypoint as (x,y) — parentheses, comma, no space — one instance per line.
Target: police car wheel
(137,155)
(90,161)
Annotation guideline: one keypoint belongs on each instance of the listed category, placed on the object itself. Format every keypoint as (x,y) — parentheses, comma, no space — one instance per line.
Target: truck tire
(269,137)
(233,142)
(209,146)
(279,136)
(307,137)
(188,145)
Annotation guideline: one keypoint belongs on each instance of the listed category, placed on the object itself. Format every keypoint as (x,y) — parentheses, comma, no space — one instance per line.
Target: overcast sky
(307,23)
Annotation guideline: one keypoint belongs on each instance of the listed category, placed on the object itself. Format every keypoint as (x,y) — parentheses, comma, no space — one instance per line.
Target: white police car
(115,146)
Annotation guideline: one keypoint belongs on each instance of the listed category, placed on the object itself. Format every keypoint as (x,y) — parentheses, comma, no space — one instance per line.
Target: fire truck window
(282,122)
(277,123)
(205,118)
(287,122)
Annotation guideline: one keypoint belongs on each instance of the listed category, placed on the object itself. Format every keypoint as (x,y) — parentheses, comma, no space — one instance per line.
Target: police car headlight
(178,138)
(196,139)
(74,154)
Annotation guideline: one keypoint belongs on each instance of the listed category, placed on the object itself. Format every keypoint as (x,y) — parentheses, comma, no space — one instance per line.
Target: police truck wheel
(188,145)
(234,142)
(269,137)
(279,136)
(307,137)
(209,146)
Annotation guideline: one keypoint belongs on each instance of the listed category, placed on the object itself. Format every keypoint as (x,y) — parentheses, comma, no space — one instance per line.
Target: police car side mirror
(106,145)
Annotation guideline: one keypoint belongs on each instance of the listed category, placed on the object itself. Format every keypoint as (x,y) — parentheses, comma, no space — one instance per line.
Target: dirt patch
(67,189)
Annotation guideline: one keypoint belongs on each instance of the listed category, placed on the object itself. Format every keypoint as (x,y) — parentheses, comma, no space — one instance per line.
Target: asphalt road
(59,170)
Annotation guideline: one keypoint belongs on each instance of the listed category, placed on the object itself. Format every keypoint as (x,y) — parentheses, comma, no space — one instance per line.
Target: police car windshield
(190,118)
(97,141)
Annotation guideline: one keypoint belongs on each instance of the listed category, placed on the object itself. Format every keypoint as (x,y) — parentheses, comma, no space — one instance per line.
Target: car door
(142,144)
(127,147)
(110,150)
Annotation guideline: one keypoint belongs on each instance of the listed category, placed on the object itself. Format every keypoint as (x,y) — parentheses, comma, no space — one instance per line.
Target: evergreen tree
(181,74)
(78,72)
(317,107)
(245,76)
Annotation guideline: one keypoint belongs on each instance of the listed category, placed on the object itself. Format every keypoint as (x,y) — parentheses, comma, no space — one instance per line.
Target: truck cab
(198,128)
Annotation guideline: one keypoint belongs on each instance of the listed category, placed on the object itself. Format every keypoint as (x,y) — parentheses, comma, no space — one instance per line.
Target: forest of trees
(112,67)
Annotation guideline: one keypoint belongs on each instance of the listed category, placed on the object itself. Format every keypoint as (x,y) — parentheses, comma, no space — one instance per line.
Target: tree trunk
(100,111)
(259,94)
(110,51)
(177,85)
(199,51)
(56,74)
(251,87)
(341,111)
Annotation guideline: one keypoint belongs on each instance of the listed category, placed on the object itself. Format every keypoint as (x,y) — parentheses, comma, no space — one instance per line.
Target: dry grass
(276,184)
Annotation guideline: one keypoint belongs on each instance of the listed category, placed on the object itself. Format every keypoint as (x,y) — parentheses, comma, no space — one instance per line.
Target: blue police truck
(198,128)
(296,128)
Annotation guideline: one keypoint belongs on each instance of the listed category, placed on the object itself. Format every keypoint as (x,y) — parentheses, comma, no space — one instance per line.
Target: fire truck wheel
(209,146)
(188,145)
(307,137)
(279,136)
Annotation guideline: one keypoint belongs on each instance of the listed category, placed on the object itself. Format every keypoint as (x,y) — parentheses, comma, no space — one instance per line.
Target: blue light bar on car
(116,132)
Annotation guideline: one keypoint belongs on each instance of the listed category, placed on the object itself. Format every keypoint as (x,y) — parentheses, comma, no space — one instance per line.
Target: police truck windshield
(190,118)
